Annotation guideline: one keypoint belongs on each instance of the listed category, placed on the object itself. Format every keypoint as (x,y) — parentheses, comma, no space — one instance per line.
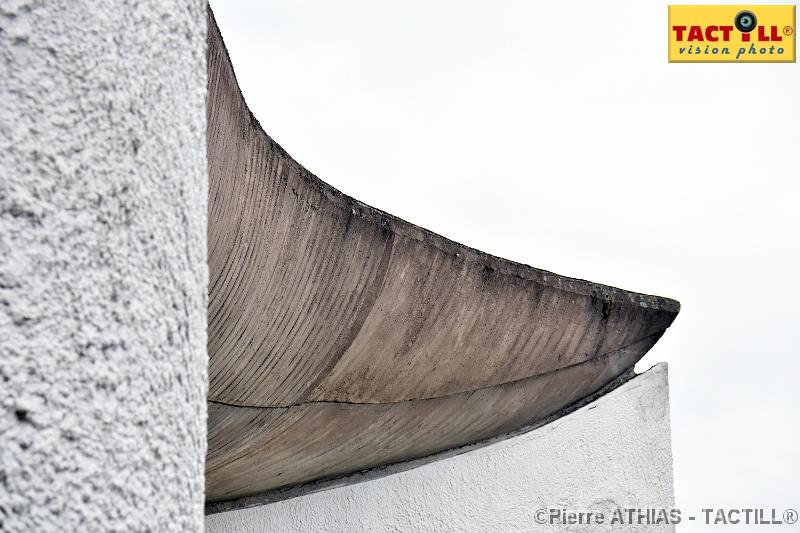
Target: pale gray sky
(556,134)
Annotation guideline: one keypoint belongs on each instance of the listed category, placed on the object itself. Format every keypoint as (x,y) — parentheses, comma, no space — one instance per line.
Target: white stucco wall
(102,265)
(614,452)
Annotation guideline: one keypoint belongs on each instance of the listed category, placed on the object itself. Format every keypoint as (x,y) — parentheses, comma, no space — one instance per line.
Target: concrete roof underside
(343,338)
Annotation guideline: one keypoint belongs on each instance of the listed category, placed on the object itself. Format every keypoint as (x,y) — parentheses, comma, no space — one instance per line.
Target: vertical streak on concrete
(103,271)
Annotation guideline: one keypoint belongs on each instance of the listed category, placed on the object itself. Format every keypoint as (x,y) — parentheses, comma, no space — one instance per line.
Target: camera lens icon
(745,21)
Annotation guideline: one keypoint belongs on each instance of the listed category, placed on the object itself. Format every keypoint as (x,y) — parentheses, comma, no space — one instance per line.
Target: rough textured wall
(612,452)
(103,274)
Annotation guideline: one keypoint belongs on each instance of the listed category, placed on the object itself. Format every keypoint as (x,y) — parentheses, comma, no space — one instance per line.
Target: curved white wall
(613,452)
(102,265)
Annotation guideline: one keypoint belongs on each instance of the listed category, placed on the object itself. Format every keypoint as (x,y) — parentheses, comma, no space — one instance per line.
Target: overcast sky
(556,134)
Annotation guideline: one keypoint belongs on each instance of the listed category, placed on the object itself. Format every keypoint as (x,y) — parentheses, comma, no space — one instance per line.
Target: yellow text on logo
(735,34)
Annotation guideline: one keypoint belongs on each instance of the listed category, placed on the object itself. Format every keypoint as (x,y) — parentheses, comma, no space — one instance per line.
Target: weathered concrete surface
(614,452)
(341,337)
(103,274)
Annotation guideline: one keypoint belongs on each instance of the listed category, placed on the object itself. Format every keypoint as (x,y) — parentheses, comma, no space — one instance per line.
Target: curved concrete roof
(342,337)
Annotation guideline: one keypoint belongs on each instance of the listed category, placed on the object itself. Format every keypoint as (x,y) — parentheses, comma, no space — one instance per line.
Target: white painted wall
(613,452)
(102,265)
